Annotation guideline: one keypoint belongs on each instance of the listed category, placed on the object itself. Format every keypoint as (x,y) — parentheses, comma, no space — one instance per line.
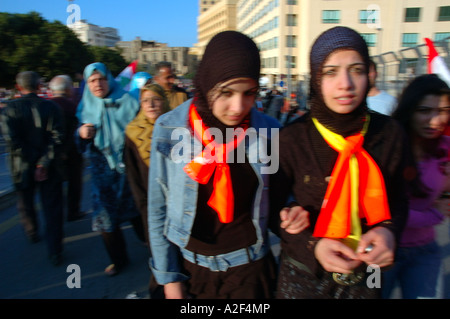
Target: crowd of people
(361,178)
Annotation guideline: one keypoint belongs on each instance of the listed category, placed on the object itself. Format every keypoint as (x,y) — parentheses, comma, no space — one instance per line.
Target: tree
(29,42)
(66,53)
(110,57)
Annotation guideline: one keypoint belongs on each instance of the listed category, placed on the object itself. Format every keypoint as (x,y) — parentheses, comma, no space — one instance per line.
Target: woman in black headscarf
(208,210)
(343,164)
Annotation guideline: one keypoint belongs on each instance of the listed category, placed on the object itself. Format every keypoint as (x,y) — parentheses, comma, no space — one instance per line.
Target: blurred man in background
(33,131)
(62,90)
(166,79)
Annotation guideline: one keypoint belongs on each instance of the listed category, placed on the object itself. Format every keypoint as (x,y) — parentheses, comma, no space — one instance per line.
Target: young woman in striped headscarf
(343,164)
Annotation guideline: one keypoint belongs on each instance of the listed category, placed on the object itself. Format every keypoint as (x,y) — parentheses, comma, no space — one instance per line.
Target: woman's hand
(335,256)
(87,131)
(294,219)
(175,290)
(382,241)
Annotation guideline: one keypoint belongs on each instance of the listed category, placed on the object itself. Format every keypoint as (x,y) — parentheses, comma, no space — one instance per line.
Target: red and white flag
(436,63)
(124,78)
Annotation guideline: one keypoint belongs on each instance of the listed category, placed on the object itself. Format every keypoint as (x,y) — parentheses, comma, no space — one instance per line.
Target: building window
(370,38)
(331,16)
(291,59)
(444,13)
(291,20)
(369,16)
(269,44)
(439,36)
(364,15)
(412,14)
(409,39)
(291,41)
(270,63)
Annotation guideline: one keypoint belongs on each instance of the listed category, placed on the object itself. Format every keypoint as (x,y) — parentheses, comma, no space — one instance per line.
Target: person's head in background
(28,82)
(424,107)
(61,85)
(99,79)
(153,101)
(164,75)
(424,112)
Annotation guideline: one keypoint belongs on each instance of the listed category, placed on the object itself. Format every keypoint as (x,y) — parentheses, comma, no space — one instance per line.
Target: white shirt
(383,103)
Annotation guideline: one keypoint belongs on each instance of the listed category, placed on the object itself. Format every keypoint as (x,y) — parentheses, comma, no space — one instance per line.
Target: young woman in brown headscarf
(208,216)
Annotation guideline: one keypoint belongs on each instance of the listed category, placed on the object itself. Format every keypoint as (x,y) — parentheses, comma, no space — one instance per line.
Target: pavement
(7,195)
(26,273)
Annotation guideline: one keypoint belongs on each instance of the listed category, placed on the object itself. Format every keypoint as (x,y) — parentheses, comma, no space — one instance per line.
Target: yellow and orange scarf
(214,158)
(356,188)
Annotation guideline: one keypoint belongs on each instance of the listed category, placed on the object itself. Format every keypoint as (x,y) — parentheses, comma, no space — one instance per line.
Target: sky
(166,21)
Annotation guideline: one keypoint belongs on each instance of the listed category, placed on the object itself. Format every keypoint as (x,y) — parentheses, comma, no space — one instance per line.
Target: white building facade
(286,29)
(92,34)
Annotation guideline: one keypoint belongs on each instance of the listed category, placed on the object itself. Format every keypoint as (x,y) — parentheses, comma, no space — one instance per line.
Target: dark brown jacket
(306,160)
(34,130)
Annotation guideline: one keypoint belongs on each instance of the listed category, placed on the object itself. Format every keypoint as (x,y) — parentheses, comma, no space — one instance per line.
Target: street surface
(26,272)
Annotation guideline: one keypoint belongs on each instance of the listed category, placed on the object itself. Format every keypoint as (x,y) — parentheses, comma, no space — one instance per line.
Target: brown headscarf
(140,130)
(229,55)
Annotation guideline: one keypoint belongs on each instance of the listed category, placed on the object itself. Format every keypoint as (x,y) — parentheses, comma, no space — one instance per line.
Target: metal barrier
(395,69)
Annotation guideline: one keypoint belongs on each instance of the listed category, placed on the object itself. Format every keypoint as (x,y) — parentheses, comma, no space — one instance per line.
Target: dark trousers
(115,242)
(52,208)
(255,280)
(74,176)
(116,248)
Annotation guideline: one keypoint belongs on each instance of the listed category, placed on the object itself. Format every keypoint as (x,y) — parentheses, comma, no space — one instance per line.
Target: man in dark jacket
(33,130)
(61,86)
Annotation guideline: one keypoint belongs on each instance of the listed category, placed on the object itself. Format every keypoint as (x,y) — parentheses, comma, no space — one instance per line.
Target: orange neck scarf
(356,188)
(214,157)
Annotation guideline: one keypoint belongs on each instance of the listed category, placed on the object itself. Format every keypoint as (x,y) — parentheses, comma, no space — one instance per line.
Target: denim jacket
(173,194)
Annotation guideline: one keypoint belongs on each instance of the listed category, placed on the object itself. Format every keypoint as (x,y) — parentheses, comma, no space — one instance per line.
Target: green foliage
(189,76)
(113,60)
(29,42)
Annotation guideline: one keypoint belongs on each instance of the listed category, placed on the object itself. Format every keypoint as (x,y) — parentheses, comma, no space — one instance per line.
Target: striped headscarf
(330,41)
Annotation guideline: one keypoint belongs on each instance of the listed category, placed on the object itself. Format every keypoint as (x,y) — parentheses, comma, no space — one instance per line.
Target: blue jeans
(416,270)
